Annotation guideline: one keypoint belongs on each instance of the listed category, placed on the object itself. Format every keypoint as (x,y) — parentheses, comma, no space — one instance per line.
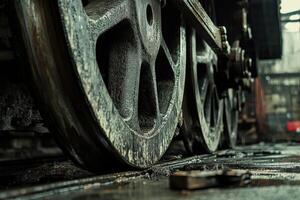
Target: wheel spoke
(148,105)
(104,15)
(155,92)
(215,109)
(231,99)
(207,56)
(168,54)
(203,59)
(231,119)
(229,113)
(208,105)
(213,112)
(204,89)
(123,79)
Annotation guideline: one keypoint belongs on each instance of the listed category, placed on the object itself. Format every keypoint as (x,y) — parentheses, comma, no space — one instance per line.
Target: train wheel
(110,74)
(202,107)
(231,111)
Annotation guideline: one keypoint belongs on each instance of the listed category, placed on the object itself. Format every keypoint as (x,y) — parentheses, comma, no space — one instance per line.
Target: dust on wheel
(202,107)
(110,74)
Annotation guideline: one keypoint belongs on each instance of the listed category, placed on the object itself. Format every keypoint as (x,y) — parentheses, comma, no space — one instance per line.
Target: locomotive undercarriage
(117,80)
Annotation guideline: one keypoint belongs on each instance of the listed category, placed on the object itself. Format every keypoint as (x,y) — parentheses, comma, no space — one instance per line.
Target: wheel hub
(149,22)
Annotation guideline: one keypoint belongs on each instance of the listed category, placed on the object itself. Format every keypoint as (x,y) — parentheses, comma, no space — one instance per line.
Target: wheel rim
(139,119)
(204,133)
(231,118)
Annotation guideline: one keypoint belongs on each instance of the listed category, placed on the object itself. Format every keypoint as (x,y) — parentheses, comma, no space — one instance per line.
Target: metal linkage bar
(213,35)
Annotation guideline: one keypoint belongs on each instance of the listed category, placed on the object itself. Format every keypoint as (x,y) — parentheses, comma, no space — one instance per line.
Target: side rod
(195,14)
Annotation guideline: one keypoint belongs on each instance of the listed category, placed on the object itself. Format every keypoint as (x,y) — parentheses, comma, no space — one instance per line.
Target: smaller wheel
(202,107)
(231,110)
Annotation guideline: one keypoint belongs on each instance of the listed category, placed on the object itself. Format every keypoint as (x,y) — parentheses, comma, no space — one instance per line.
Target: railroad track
(274,163)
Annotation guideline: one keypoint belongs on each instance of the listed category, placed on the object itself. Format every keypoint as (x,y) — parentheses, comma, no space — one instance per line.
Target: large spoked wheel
(231,112)
(202,107)
(110,74)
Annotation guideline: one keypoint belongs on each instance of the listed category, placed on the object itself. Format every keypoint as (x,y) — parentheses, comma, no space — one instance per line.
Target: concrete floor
(275,175)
